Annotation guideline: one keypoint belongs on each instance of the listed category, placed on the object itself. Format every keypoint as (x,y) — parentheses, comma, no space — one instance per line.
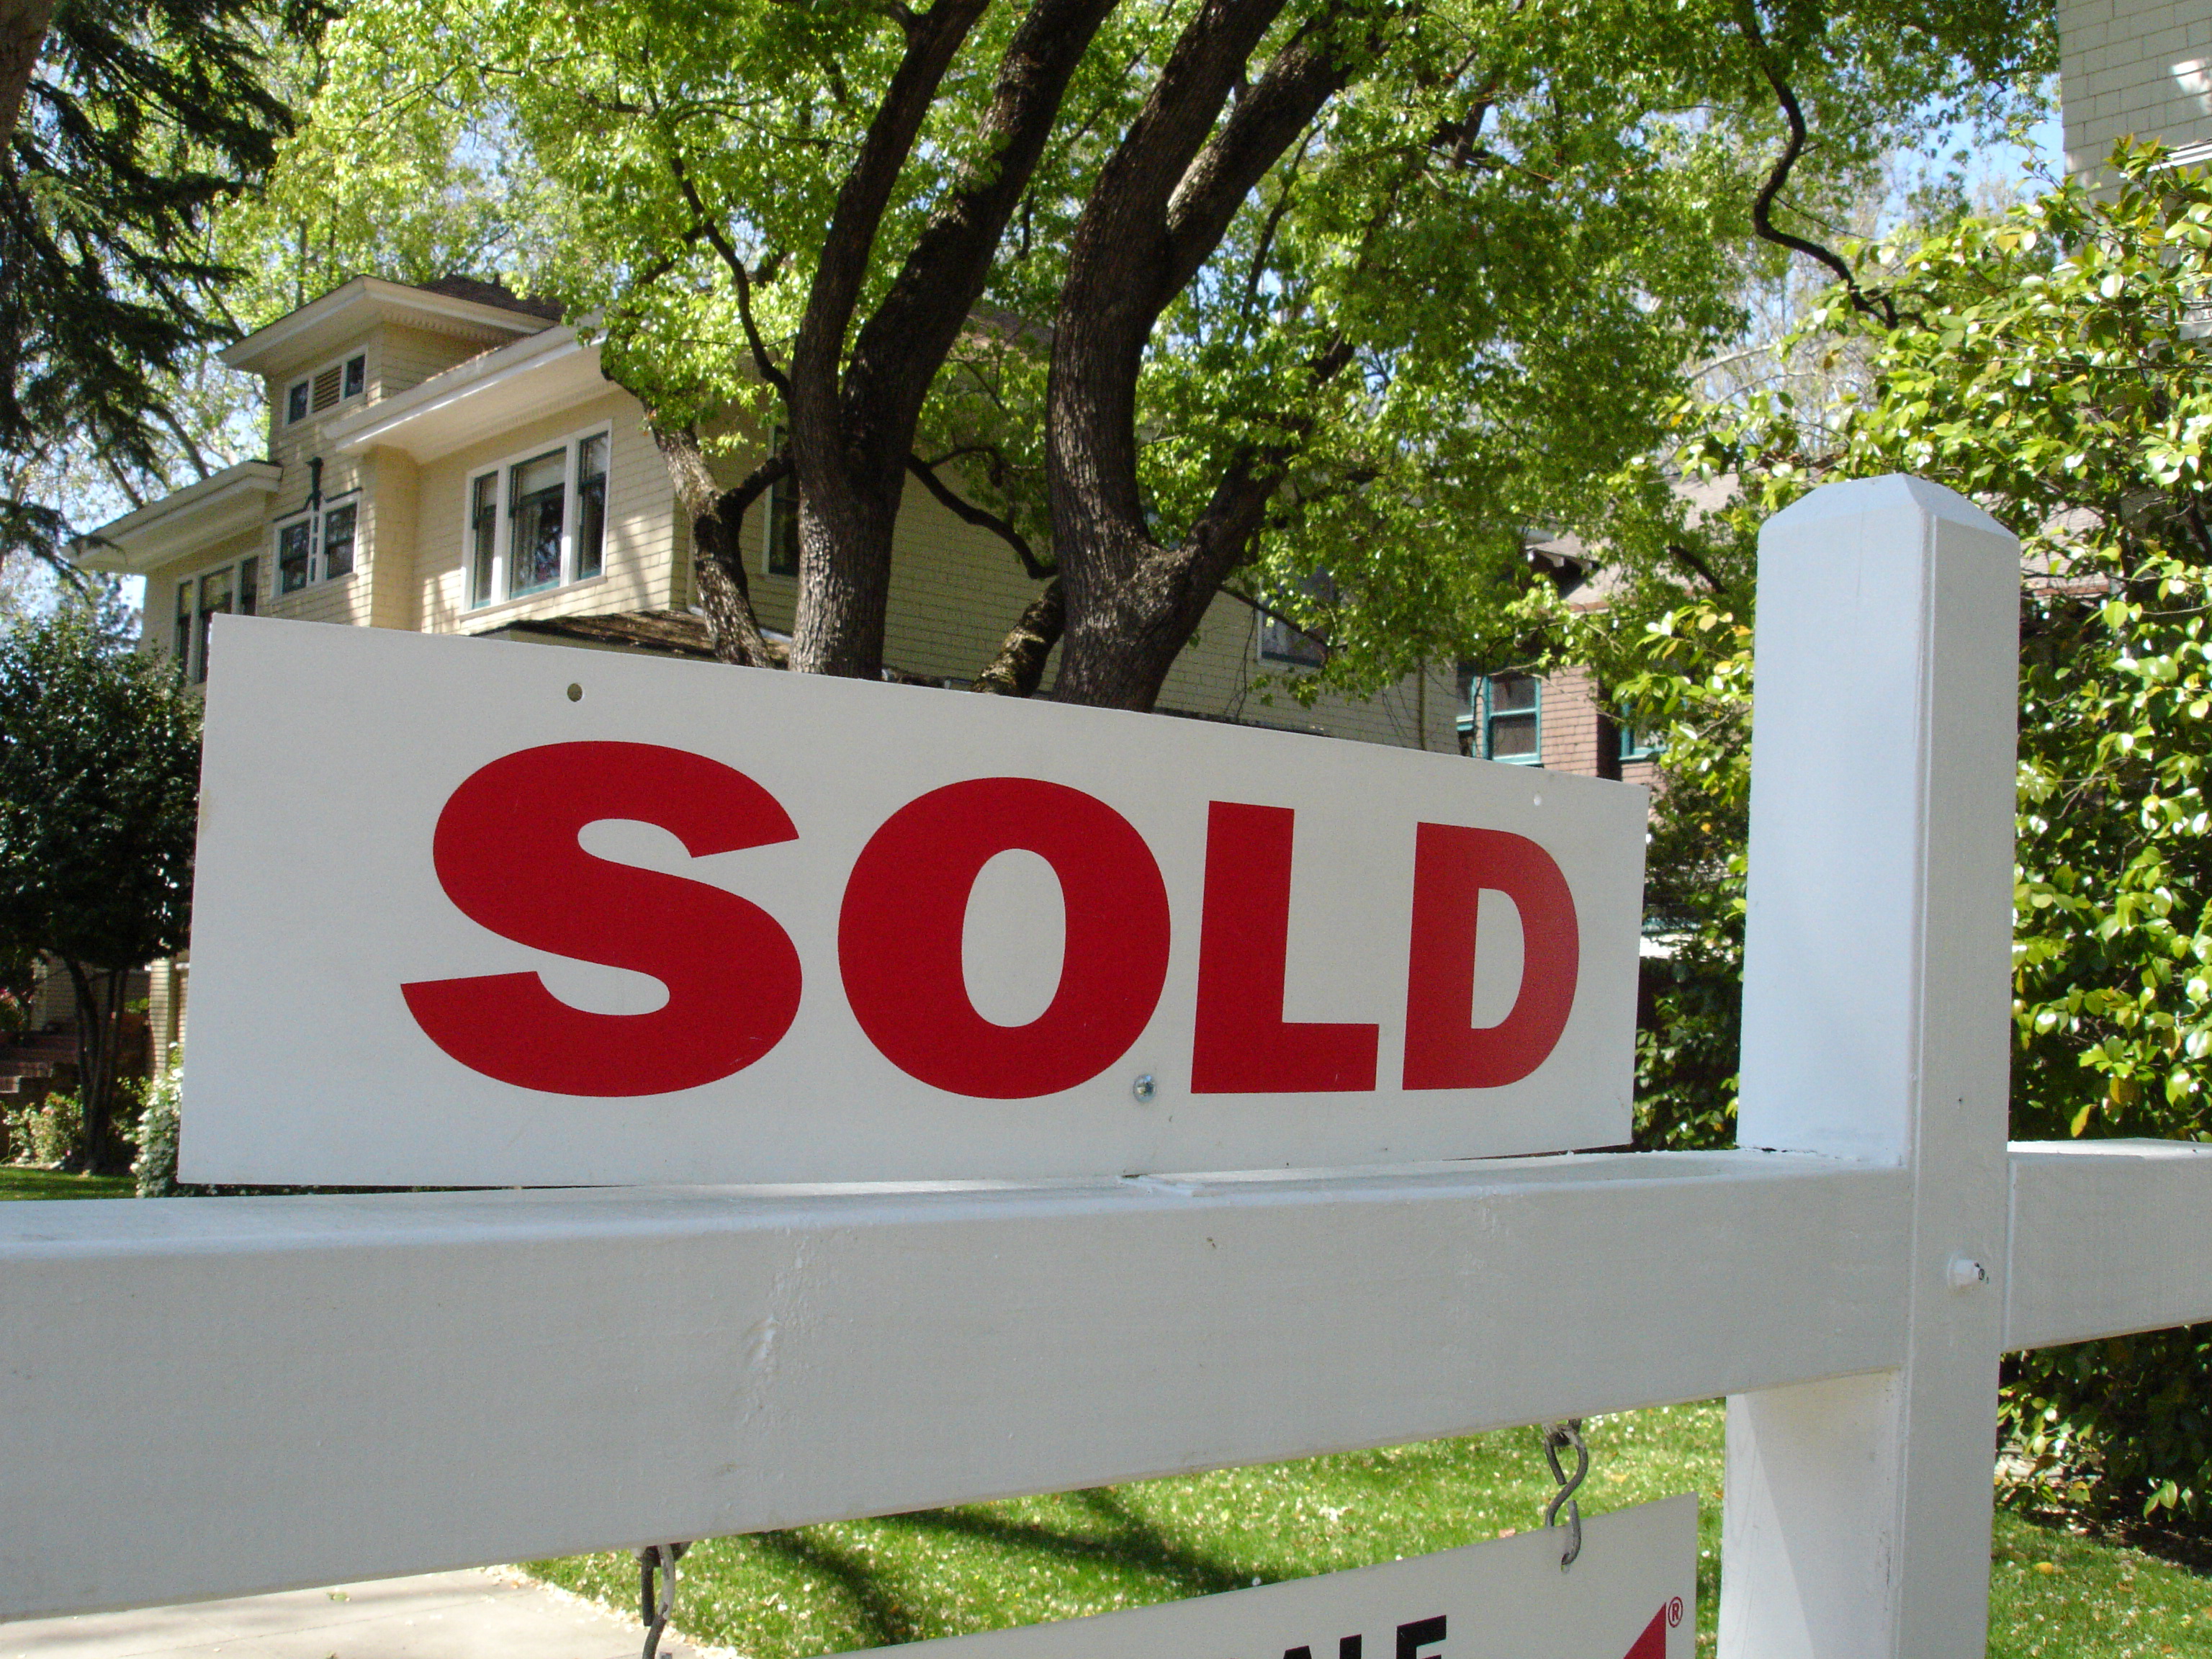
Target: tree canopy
(1171,297)
(99,794)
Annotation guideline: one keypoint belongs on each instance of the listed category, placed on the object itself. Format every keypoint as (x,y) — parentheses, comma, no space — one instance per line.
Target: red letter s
(506,855)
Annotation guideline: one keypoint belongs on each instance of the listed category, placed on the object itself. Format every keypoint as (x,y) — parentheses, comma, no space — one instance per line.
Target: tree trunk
(1161,207)
(22,32)
(718,558)
(1019,668)
(853,419)
(98,1029)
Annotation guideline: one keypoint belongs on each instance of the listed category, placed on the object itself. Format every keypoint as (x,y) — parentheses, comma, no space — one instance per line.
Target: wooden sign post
(189,1385)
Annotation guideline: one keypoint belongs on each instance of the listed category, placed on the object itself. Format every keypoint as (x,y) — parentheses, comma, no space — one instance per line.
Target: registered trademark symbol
(1674,1613)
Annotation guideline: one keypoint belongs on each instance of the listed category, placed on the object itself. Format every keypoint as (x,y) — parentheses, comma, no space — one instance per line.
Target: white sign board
(1631,1594)
(480,914)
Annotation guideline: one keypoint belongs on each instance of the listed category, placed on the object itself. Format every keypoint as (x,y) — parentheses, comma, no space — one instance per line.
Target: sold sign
(477,912)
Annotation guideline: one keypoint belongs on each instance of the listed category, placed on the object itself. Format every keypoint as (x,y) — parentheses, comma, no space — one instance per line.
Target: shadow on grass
(1132,1542)
(1135,1541)
(872,1596)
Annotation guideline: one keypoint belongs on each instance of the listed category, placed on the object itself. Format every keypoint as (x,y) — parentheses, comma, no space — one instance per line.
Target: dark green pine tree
(126,124)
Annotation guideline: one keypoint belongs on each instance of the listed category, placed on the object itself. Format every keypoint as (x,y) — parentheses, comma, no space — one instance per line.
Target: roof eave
(228,504)
(294,337)
(541,374)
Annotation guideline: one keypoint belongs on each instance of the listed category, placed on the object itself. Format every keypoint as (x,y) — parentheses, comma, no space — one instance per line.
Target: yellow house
(449,458)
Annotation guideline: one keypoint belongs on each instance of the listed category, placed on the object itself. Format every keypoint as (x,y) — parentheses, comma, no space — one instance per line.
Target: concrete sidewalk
(491,1614)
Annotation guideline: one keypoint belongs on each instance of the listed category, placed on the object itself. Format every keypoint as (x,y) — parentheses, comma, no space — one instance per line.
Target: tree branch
(982,519)
(932,39)
(1762,207)
(1018,669)
(1689,560)
(1312,67)
(762,362)
(1160,209)
(1264,244)
(900,348)
(718,560)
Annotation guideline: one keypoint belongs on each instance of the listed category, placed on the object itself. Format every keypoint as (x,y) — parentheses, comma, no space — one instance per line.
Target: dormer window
(327,388)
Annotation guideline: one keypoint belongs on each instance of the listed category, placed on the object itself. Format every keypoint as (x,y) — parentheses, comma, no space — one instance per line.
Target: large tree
(99,791)
(124,128)
(1221,292)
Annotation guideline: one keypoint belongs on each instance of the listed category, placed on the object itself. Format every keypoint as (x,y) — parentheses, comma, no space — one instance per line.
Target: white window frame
(315,373)
(572,448)
(193,662)
(314,518)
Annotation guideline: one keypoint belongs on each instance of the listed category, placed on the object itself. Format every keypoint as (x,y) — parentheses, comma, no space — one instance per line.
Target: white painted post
(1875,1027)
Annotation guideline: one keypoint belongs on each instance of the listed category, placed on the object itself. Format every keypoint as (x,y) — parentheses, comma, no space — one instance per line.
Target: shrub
(49,1131)
(2046,362)
(155,1166)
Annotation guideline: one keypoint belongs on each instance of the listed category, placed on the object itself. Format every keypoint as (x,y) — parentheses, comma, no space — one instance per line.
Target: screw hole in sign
(576,693)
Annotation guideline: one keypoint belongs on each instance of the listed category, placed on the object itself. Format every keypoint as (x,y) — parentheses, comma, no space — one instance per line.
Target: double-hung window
(202,599)
(327,388)
(538,521)
(317,545)
(1505,714)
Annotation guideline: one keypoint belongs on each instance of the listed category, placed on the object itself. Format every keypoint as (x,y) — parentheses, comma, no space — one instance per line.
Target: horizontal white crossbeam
(227,1396)
(223,1396)
(2108,1237)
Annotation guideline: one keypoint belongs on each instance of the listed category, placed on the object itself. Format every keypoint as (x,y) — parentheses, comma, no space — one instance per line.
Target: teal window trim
(1487,716)
(1636,744)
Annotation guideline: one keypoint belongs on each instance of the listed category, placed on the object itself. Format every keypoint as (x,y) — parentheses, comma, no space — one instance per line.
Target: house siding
(2134,67)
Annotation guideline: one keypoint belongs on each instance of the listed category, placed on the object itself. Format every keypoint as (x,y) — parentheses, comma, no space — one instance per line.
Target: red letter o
(506,855)
(905,906)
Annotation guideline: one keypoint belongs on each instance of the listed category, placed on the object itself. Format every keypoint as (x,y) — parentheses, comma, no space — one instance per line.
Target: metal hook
(1556,1435)
(656,1617)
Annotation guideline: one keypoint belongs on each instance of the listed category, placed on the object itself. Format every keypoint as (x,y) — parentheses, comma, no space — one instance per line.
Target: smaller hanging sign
(1631,1594)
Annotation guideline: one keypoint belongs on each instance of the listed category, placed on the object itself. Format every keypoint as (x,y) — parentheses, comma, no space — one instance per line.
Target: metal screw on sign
(657,1611)
(1556,1435)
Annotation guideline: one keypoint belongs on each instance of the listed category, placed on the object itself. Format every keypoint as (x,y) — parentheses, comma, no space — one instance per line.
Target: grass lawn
(19,1182)
(868,1583)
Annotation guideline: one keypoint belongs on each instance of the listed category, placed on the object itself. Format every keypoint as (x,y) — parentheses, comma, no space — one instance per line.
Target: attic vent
(327,388)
